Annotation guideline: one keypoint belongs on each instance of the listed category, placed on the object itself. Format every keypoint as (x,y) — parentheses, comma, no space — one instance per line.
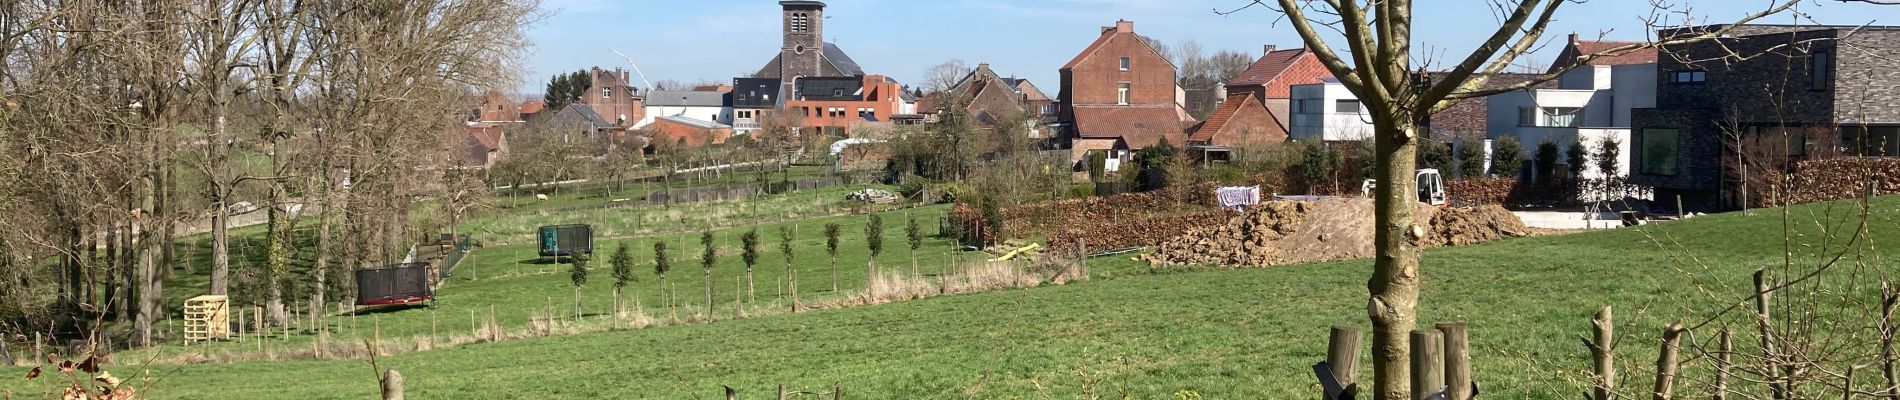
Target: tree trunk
(114,303)
(709,294)
(322,267)
(220,248)
(128,272)
(1394,286)
(90,264)
(834,272)
(748,285)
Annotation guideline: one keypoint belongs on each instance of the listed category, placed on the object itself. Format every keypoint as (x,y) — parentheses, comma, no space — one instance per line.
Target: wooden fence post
(837,392)
(1722,365)
(1601,352)
(39,350)
(781,392)
(1763,295)
(1428,363)
(392,385)
(1342,355)
(1457,360)
(1666,362)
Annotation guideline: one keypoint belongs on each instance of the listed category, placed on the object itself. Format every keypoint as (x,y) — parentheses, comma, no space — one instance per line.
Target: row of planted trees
(129,123)
(622,262)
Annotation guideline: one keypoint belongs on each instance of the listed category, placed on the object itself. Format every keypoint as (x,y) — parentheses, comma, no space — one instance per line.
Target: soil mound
(1293,232)
(1472,225)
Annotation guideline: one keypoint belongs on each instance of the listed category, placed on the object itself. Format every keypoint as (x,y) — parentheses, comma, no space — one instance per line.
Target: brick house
(687,131)
(532,107)
(1254,111)
(486,143)
(1270,78)
(989,99)
(612,99)
(1240,121)
(1119,94)
(1814,91)
(833,104)
(497,108)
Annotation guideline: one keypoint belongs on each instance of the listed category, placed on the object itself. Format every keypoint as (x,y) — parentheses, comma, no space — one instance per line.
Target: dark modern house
(1797,92)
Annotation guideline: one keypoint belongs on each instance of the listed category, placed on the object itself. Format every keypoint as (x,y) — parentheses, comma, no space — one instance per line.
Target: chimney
(1573,38)
(1124,26)
(1270,49)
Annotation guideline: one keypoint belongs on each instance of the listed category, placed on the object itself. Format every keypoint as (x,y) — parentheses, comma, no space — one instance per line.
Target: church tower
(804,42)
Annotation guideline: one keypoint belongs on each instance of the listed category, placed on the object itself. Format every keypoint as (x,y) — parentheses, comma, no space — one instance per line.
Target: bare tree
(1378,67)
(942,77)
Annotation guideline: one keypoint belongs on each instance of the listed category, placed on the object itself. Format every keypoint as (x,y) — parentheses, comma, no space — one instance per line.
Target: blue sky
(693,40)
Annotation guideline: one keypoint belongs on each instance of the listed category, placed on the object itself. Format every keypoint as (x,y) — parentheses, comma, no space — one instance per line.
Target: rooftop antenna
(636,67)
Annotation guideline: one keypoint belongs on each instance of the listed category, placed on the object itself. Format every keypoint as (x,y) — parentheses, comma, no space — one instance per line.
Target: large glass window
(1688,76)
(1787,140)
(1562,117)
(1346,106)
(1659,151)
(1309,106)
(1821,69)
(1871,140)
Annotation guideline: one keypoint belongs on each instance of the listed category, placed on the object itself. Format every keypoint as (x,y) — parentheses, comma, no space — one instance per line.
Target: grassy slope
(510,274)
(1222,333)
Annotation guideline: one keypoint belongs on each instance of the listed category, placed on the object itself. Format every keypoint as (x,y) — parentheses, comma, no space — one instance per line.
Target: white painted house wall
(721,115)
(705,106)
(1605,94)
(1327,122)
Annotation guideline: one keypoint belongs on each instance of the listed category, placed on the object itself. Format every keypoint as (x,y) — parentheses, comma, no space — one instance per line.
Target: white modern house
(1327,111)
(1591,103)
(700,105)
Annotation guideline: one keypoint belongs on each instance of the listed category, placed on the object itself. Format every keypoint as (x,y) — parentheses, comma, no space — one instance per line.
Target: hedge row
(1840,178)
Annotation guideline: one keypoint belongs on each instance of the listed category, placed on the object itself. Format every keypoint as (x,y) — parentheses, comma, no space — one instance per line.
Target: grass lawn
(1221,333)
(518,284)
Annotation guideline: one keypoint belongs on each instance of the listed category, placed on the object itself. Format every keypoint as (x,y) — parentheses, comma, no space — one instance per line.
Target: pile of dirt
(1293,232)
(1244,240)
(1461,226)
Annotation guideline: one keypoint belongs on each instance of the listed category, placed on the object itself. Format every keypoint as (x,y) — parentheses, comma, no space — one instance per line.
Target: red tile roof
(534,106)
(1578,48)
(1276,71)
(1218,120)
(1109,34)
(1137,126)
(488,136)
(1269,66)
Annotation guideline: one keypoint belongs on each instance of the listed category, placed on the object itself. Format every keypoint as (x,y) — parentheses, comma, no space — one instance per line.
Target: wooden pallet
(207,318)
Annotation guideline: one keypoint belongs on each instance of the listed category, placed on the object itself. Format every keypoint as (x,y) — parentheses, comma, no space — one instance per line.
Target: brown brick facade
(613,99)
(1094,76)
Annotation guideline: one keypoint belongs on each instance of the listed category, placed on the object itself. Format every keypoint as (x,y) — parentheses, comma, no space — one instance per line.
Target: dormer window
(801,22)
